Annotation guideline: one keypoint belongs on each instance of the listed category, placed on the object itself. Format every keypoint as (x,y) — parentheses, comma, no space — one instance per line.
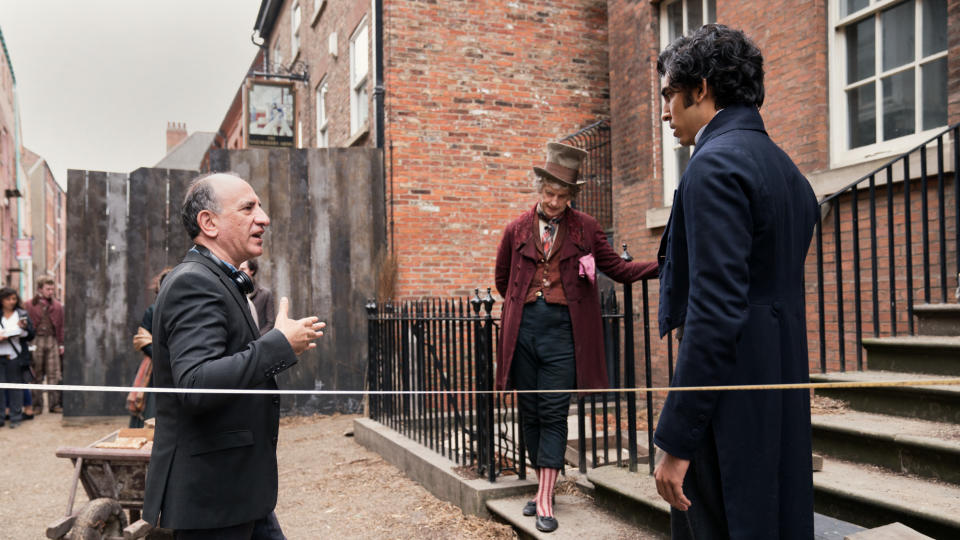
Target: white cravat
(253,311)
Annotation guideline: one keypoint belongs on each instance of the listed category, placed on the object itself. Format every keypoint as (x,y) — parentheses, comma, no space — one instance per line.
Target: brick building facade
(472,91)
(12,209)
(48,223)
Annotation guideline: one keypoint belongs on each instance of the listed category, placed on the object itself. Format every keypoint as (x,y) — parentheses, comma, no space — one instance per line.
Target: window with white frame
(679,18)
(295,30)
(359,67)
(323,139)
(888,68)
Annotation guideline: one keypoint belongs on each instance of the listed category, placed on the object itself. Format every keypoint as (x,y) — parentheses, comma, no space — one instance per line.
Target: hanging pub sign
(24,249)
(270,114)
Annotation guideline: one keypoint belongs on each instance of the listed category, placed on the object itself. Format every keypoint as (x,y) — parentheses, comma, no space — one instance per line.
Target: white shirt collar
(696,139)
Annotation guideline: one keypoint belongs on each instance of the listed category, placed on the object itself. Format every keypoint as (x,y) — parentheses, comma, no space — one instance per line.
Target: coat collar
(525,240)
(193,256)
(731,118)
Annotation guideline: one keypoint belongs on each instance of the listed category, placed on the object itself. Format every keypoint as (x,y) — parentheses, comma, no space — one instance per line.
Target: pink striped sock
(548,478)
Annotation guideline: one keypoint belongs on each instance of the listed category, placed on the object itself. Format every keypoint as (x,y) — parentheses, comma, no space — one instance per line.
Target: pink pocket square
(588,268)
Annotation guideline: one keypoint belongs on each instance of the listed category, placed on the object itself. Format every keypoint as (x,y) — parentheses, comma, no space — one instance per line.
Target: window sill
(360,134)
(828,182)
(657,217)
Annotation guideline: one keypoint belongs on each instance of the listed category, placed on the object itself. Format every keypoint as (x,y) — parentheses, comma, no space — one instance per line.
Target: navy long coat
(732,275)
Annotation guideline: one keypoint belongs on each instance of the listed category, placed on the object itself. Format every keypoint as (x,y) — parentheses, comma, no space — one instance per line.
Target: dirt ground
(330,487)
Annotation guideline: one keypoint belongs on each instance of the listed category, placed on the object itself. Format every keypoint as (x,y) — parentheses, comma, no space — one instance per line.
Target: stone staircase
(893,454)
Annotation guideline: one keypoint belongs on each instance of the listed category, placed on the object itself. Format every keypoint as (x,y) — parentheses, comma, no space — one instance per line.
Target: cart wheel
(100,518)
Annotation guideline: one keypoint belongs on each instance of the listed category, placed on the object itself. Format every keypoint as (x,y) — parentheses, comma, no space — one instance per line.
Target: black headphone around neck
(239,277)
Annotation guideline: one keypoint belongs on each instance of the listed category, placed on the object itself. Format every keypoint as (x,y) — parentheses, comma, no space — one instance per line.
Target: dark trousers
(705,520)
(544,360)
(13,399)
(267,528)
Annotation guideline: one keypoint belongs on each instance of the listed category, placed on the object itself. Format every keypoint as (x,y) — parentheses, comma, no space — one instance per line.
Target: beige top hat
(563,164)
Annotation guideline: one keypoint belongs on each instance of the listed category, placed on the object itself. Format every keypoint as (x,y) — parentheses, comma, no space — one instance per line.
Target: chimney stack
(176,133)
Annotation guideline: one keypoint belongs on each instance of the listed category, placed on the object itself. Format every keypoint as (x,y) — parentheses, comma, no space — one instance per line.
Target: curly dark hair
(726,58)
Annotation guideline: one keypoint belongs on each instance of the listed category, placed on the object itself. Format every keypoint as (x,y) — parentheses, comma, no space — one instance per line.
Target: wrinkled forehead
(554,188)
(232,191)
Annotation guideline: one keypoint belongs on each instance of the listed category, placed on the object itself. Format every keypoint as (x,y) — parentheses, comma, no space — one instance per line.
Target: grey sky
(97,81)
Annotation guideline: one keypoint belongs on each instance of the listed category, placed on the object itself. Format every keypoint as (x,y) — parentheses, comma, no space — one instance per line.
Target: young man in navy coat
(735,464)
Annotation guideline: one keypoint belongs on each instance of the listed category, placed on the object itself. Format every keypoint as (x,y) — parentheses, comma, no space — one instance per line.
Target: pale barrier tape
(788,386)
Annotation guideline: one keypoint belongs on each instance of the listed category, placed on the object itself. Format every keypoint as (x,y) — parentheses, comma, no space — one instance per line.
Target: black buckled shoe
(530,509)
(547,524)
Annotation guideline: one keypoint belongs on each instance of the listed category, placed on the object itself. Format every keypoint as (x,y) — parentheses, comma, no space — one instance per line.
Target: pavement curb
(435,472)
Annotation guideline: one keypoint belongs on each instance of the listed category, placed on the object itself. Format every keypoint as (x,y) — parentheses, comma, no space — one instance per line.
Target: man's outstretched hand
(300,332)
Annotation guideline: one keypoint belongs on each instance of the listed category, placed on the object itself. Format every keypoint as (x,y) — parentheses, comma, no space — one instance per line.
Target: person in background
(143,342)
(552,336)
(264,308)
(47,314)
(15,331)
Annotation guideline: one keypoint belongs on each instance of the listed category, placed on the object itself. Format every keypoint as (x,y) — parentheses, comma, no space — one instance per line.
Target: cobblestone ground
(330,487)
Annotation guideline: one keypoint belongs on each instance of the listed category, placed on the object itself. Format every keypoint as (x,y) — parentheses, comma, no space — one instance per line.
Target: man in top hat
(552,337)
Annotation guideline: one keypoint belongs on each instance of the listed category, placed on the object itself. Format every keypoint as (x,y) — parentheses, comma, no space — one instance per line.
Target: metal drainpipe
(378,91)
(378,94)
(16,172)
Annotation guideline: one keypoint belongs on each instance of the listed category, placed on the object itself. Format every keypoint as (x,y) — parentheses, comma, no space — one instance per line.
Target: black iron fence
(883,243)
(436,353)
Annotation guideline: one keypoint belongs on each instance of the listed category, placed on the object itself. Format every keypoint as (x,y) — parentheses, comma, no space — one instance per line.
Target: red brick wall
(792,36)
(474,91)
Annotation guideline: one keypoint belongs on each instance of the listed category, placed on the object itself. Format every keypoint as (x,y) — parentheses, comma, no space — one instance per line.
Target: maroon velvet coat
(516,263)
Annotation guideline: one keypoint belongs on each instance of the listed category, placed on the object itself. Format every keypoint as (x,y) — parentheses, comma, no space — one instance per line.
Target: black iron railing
(888,247)
(445,348)
(596,197)
(437,352)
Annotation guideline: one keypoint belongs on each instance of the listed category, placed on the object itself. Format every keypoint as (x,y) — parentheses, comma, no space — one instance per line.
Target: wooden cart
(114,480)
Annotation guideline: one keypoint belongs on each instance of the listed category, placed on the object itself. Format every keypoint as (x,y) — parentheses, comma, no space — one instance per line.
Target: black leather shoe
(530,509)
(547,524)
(27,416)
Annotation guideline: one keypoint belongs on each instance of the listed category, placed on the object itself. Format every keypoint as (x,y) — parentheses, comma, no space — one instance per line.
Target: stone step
(604,448)
(937,319)
(578,516)
(914,354)
(635,495)
(871,496)
(940,403)
(905,445)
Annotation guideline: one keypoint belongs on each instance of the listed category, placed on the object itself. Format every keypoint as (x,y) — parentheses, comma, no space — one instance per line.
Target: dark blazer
(516,263)
(214,461)
(732,275)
